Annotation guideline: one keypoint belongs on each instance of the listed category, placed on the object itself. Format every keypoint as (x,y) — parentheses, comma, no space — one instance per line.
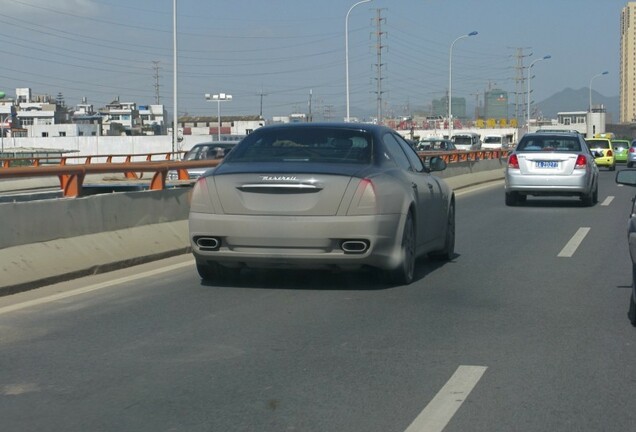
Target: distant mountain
(578,100)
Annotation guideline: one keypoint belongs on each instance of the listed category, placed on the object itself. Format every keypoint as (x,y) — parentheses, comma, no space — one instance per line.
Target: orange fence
(72,176)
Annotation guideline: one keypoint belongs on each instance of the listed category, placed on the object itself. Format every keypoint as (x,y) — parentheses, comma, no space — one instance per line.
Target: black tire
(595,195)
(588,199)
(512,199)
(630,164)
(632,310)
(448,252)
(612,168)
(405,272)
(212,272)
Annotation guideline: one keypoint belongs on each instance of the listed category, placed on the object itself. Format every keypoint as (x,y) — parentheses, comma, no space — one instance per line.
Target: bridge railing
(72,175)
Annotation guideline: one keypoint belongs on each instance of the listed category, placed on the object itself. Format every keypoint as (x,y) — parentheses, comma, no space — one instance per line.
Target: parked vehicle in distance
(495,142)
(631,155)
(628,177)
(467,141)
(207,150)
(603,146)
(321,195)
(551,164)
(621,149)
(436,144)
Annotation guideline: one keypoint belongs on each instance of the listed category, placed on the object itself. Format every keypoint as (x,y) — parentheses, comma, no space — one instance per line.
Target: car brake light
(513,161)
(609,153)
(581,162)
(631,150)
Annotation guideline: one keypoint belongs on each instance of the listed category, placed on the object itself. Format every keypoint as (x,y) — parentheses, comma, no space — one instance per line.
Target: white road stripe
(91,288)
(447,401)
(574,243)
(607,201)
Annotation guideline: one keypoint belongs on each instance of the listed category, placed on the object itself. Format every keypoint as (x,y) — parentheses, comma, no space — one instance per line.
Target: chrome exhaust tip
(354,246)
(207,243)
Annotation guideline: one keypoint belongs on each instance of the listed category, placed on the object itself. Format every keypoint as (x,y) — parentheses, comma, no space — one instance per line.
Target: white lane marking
(574,242)
(447,401)
(478,188)
(608,201)
(90,288)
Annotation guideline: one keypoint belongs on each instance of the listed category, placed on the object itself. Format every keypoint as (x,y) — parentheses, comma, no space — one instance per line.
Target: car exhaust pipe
(355,246)
(207,243)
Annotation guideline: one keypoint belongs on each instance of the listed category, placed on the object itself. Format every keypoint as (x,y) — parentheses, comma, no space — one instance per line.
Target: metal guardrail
(72,176)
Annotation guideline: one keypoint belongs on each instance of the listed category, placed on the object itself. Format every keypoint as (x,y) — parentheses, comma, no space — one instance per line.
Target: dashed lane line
(607,201)
(576,240)
(447,401)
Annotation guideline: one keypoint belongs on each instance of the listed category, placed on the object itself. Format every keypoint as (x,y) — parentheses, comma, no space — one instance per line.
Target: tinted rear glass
(549,143)
(598,144)
(322,145)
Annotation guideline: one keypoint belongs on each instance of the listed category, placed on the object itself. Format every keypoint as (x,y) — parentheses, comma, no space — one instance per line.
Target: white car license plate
(547,164)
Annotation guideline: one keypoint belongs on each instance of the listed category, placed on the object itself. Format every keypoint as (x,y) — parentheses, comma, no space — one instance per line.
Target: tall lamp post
(221,97)
(347,52)
(592,79)
(450,83)
(529,78)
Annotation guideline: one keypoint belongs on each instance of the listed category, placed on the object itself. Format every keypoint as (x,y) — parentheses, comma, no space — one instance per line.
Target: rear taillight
(609,153)
(513,161)
(631,150)
(581,162)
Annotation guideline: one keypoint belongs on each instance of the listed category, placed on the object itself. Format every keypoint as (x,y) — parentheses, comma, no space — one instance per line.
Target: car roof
(369,127)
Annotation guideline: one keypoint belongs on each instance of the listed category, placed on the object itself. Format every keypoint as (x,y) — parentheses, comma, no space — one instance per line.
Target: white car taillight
(513,161)
(200,199)
(581,162)
(364,201)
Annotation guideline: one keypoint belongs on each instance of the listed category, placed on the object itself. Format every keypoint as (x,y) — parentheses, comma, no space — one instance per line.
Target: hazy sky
(103,49)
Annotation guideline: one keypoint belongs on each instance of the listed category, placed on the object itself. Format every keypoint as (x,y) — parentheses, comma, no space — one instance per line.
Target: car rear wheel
(448,253)
(212,272)
(632,310)
(512,198)
(404,273)
(591,198)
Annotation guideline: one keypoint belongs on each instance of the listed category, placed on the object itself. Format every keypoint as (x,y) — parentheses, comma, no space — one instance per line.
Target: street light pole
(592,79)
(221,97)
(529,78)
(450,82)
(175,114)
(347,52)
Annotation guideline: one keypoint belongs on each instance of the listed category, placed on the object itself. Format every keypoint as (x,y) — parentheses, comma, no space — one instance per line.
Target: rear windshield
(549,143)
(492,140)
(322,145)
(462,139)
(598,144)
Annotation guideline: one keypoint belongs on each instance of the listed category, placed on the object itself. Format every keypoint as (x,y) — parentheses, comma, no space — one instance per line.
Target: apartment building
(627,68)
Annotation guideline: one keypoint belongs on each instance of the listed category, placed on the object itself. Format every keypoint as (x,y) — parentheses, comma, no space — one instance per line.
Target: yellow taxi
(603,151)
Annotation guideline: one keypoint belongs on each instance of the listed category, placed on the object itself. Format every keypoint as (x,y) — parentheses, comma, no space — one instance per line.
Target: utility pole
(261,94)
(155,66)
(520,80)
(378,46)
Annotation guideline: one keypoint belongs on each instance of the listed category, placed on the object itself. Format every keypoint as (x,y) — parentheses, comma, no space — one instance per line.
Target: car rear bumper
(605,161)
(574,184)
(297,241)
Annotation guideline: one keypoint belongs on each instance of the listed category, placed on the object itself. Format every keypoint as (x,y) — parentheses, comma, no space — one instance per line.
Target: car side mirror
(626,177)
(438,164)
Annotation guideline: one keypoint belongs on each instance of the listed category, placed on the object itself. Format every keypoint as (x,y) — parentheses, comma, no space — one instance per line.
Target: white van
(495,142)
(467,141)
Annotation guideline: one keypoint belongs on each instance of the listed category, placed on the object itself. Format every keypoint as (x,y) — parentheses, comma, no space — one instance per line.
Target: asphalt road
(525,330)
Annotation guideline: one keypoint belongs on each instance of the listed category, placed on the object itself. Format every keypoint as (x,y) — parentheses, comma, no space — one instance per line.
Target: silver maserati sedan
(321,196)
